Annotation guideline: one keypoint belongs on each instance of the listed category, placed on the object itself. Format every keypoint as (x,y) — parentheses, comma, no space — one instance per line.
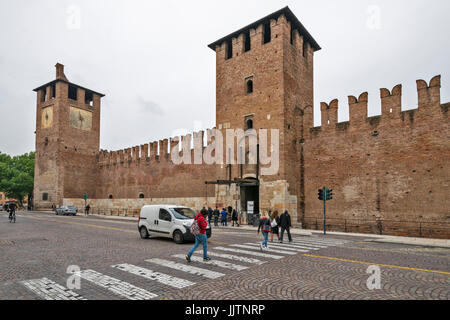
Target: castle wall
(383,168)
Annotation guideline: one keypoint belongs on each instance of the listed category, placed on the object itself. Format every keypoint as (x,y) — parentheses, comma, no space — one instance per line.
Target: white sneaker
(261,246)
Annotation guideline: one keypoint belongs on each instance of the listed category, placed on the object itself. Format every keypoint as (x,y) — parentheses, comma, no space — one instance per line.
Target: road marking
(300,246)
(255,246)
(276,245)
(317,244)
(258,254)
(49,290)
(218,263)
(116,286)
(155,276)
(376,264)
(86,224)
(313,241)
(233,257)
(186,268)
(407,251)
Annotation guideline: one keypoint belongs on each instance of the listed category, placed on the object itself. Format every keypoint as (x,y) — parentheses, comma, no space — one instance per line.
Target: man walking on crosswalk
(285,223)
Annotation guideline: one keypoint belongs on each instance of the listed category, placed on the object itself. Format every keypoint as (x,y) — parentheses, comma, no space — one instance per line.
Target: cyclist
(12,209)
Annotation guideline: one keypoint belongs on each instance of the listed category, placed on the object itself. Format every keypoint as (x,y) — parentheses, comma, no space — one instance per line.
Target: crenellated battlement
(429,104)
(157,151)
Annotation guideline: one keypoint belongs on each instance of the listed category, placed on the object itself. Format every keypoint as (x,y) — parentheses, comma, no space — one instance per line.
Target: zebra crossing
(231,258)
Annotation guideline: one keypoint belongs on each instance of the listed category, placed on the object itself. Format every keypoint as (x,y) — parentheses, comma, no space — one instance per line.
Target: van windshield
(183,213)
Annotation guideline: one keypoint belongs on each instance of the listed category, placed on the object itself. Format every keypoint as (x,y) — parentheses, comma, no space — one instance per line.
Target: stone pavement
(116,264)
(442,243)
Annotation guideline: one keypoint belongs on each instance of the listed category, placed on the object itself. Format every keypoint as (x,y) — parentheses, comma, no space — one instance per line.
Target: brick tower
(265,81)
(67,141)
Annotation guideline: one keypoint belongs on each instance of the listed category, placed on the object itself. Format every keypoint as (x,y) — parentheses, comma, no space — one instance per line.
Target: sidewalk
(441,243)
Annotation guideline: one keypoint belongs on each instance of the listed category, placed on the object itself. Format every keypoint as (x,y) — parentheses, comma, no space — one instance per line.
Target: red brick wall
(390,167)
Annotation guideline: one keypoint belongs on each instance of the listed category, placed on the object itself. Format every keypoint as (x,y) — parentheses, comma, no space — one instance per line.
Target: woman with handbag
(274,223)
(264,226)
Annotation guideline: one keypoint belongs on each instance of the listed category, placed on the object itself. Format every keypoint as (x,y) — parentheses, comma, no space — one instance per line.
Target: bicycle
(12,217)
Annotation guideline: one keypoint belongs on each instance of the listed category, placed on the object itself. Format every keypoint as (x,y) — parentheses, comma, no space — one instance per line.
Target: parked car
(168,221)
(66,211)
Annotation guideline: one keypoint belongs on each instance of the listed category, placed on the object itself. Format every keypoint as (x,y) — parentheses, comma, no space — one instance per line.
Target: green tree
(17,175)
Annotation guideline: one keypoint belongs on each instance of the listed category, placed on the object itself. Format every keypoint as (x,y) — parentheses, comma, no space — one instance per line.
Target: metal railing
(420,229)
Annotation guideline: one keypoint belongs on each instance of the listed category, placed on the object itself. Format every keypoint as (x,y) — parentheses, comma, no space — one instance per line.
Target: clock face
(47,117)
(80,119)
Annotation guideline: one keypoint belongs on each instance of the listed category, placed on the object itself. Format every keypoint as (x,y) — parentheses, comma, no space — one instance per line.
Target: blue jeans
(266,238)
(203,240)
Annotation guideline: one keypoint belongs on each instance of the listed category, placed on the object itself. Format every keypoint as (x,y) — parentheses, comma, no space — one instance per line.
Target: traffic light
(321,195)
(329,194)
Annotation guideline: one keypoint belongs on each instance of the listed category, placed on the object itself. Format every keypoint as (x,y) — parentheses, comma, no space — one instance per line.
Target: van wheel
(178,237)
(144,233)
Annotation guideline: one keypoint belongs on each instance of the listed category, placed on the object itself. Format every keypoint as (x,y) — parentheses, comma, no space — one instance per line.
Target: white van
(168,221)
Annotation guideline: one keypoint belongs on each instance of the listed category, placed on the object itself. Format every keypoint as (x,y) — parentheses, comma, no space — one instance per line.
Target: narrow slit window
(53,91)
(305,48)
(249,86)
(247,44)
(267,33)
(229,54)
(45,197)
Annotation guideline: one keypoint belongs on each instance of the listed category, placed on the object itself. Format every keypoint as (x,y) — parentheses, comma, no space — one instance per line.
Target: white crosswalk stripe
(156,276)
(276,245)
(323,241)
(299,245)
(186,268)
(311,244)
(251,253)
(255,246)
(116,286)
(50,290)
(218,263)
(233,257)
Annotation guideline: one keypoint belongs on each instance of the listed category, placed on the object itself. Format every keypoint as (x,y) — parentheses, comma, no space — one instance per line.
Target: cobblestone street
(116,263)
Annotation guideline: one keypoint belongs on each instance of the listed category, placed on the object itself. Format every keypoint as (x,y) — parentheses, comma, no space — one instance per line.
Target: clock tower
(67,141)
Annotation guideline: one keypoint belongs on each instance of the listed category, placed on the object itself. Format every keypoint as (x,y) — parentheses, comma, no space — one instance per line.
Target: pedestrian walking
(234,218)
(264,226)
(216,216)
(274,224)
(201,237)
(210,213)
(88,207)
(285,224)
(224,217)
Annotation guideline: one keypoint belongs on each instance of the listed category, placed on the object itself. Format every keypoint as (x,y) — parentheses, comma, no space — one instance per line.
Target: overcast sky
(151,58)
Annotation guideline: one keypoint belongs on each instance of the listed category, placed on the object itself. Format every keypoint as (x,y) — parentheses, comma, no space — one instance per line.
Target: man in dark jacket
(210,214)
(200,238)
(216,217)
(285,223)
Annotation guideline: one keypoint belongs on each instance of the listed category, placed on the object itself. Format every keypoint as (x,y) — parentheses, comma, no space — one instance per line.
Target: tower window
(247,45)
(304,48)
(43,95)
(229,53)
(53,90)
(141,196)
(249,86)
(267,33)
(89,98)
(45,196)
(73,92)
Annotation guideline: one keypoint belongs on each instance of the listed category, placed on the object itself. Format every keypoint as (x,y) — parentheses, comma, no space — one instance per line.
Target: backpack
(266,226)
(195,229)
